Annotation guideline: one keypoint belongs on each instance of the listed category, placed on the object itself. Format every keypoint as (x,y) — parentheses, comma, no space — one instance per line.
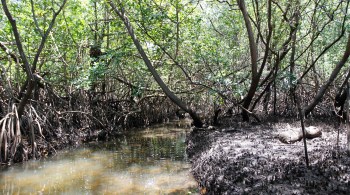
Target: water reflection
(151,161)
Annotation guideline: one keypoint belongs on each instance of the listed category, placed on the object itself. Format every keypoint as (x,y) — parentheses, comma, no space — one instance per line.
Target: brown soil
(249,159)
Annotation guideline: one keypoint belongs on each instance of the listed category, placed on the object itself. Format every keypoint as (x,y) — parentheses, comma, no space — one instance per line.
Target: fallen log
(293,135)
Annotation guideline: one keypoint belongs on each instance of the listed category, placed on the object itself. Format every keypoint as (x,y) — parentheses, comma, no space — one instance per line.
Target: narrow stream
(150,161)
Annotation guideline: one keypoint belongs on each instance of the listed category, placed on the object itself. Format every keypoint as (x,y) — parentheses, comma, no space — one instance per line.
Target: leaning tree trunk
(334,74)
(254,60)
(121,13)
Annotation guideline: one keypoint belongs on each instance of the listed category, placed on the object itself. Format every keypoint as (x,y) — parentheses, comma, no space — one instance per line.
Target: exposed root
(10,135)
(57,122)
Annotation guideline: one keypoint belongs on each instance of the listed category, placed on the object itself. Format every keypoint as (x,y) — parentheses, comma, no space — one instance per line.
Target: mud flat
(249,159)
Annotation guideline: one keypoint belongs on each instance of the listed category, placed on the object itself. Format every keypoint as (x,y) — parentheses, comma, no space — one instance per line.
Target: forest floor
(244,158)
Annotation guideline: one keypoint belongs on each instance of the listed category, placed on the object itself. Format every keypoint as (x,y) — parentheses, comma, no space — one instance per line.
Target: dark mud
(249,159)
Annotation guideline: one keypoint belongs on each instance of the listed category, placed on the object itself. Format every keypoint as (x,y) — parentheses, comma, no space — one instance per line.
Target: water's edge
(148,161)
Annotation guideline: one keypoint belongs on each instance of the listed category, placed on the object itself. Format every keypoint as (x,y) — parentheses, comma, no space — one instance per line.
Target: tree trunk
(347,116)
(120,12)
(292,63)
(301,113)
(340,97)
(254,60)
(334,74)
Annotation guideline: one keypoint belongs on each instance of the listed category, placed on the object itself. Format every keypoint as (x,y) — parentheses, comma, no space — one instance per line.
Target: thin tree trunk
(121,13)
(302,115)
(347,117)
(275,93)
(292,70)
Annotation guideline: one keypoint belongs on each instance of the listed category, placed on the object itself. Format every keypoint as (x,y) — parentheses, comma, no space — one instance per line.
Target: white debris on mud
(250,160)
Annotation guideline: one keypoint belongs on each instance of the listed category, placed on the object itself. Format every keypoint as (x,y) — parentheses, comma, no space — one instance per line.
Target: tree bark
(121,14)
(347,117)
(254,60)
(294,25)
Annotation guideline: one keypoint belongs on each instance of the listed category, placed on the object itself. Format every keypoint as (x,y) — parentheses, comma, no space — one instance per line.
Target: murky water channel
(151,161)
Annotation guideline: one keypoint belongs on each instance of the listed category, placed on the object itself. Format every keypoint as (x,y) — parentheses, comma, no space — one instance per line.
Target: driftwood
(295,134)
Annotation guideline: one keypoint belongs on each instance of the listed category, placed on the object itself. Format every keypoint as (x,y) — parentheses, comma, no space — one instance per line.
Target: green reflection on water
(151,161)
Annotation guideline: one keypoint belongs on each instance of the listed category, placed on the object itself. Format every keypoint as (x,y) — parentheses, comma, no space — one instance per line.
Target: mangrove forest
(240,96)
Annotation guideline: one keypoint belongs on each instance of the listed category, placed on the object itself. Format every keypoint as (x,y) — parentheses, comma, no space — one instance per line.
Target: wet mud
(249,159)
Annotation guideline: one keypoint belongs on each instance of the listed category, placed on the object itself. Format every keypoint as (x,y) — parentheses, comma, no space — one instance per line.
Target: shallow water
(150,161)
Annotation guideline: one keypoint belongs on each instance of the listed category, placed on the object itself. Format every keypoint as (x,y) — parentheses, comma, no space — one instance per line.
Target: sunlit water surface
(151,161)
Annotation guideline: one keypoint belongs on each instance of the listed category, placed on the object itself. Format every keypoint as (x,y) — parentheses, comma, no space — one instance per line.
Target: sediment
(249,159)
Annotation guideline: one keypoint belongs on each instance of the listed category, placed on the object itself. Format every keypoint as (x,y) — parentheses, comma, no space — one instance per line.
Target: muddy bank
(248,159)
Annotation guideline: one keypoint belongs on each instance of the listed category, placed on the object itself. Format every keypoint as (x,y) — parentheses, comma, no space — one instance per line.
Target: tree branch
(12,21)
(44,37)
